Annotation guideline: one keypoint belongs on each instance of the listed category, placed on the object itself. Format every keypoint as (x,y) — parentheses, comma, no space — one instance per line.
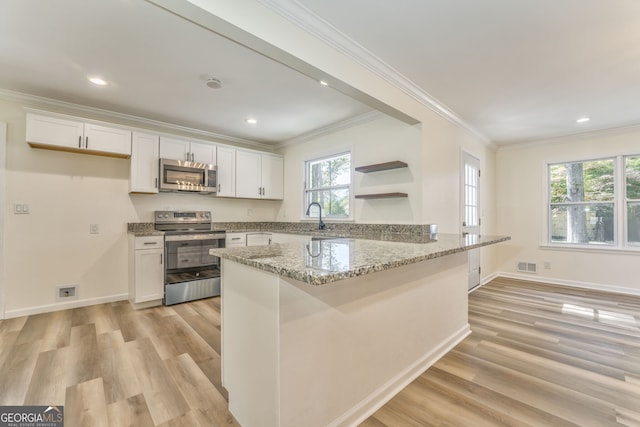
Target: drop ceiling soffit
(330,35)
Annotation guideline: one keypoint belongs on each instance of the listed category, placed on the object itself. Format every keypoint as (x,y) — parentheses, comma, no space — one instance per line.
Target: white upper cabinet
(172,148)
(248,178)
(181,149)
(59,133)
(226,171)
(272,177)
(145,155)
(106,139)
(54,131)
(203,153)
(259,176)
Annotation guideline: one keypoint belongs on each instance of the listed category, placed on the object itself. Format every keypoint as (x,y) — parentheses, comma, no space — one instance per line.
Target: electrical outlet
(67,292)
(94,228)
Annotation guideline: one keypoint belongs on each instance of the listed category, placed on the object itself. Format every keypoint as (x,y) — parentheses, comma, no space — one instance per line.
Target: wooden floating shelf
(381,196)
(396,164)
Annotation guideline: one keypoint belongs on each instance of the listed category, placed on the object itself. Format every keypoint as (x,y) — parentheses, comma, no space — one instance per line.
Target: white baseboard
(483,282)
(368,406)
(572,283)
(487,279)
(64,306)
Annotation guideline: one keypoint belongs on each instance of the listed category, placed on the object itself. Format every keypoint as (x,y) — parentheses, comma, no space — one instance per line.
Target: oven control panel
(173,217)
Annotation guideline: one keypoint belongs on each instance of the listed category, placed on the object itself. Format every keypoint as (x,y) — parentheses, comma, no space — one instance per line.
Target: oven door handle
(186,237)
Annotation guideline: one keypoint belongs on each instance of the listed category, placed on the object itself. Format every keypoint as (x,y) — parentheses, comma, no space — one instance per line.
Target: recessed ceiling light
(323,83)
(98,81)
(583,120)
(251,121)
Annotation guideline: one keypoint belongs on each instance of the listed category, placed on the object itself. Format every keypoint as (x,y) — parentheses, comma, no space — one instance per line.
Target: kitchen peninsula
(323,332)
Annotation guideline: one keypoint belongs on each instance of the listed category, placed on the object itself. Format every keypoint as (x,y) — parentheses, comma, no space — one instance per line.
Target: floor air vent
(527,267)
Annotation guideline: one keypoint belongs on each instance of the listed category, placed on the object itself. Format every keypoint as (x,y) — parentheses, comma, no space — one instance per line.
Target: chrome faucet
(321,225)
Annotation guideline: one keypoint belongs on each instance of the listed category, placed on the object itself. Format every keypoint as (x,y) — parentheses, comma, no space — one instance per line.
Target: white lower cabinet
(146,270)
(258,239)
(235,239)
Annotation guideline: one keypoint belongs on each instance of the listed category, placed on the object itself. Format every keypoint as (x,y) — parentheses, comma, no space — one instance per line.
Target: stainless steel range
(190,271)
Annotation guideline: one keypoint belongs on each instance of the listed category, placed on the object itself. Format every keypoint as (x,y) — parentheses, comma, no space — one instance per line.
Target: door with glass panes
(471,211)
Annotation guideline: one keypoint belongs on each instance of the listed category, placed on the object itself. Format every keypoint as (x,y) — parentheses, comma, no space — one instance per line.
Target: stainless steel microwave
(181,175)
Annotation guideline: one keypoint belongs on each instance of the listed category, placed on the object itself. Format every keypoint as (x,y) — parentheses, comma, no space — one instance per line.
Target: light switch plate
(21,208)
(94,228)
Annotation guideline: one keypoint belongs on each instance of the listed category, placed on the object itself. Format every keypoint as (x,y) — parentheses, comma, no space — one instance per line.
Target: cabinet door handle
(86,142)
(218,188)
(188,156)
(193,157)
(80,141)
(150,243)
(156,182)
(160,259)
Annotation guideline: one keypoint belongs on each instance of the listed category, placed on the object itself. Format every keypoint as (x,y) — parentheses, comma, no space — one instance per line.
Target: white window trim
(620,232)
(326,155)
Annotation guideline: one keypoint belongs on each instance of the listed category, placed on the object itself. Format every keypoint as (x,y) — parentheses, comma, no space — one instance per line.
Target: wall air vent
(527,267)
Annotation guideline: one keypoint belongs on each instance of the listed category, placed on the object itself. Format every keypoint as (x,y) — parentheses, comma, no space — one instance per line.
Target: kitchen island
(324,332)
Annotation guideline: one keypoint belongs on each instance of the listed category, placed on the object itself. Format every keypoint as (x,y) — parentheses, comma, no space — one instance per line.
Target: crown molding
(304,18)
(43,102)
(572,137)
(334,127)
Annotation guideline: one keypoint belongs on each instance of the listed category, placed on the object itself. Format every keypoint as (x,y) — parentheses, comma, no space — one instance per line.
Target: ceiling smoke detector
(214,83)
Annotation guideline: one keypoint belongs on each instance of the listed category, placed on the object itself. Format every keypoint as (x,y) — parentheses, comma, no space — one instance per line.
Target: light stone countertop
(331,259)
(146,233)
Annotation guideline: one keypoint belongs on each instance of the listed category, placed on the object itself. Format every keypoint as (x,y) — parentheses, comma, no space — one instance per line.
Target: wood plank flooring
(110,365)
(539,355)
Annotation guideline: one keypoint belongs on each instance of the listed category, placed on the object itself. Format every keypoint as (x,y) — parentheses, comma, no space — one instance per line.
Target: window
(328,182)
(582,202)
(632,190)
(591,204)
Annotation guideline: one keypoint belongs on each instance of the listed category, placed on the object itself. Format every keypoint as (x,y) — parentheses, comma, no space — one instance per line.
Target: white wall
(381,140)
(66,192)
(521,195)
(443,144)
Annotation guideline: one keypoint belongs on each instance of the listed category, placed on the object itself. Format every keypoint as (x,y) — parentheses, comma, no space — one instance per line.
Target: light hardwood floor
(539,355)
(110,365)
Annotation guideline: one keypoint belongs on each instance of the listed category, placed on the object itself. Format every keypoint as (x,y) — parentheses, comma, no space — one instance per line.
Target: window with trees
(586,206)
(632,193)
(328,182)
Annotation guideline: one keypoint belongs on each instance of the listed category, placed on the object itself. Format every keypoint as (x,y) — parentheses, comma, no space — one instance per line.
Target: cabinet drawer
(149,242)
(236,239)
